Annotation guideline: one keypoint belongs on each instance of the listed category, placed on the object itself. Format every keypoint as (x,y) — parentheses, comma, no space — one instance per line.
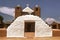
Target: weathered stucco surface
(16,29)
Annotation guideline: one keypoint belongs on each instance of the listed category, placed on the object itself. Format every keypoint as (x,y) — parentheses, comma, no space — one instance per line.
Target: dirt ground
(30,36)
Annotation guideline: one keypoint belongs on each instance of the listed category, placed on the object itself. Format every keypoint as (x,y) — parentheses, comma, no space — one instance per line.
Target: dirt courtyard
(30,36)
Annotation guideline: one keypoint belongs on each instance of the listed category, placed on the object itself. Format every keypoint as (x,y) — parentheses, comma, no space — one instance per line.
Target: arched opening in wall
(54,27)
(29,28)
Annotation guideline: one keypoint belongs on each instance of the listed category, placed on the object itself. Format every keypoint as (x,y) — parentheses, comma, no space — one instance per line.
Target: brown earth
(30,36)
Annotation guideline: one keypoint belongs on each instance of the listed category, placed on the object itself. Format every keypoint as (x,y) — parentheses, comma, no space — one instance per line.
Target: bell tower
(18,11)
(37,11)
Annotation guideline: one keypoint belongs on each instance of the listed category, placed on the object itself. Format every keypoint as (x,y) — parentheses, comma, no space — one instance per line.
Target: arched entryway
(29,28)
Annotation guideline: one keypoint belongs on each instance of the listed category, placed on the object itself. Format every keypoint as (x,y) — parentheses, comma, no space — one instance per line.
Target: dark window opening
(18,7)
(36,9)
(1,26)
(54,27)
(59,26)
(29,26)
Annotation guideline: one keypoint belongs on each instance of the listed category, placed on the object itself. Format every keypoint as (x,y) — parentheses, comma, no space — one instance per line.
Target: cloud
(7,10)
(50,20)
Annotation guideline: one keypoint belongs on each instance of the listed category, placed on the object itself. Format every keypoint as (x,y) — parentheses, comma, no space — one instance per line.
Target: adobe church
(28,20)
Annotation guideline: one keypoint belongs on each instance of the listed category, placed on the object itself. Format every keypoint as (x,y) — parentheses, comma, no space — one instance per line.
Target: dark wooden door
(29,26)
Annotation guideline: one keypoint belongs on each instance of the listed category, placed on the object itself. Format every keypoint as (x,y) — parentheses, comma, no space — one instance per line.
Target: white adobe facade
(16,29)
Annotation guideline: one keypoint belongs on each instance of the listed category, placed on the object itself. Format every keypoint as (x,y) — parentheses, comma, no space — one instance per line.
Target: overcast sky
(49,8)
